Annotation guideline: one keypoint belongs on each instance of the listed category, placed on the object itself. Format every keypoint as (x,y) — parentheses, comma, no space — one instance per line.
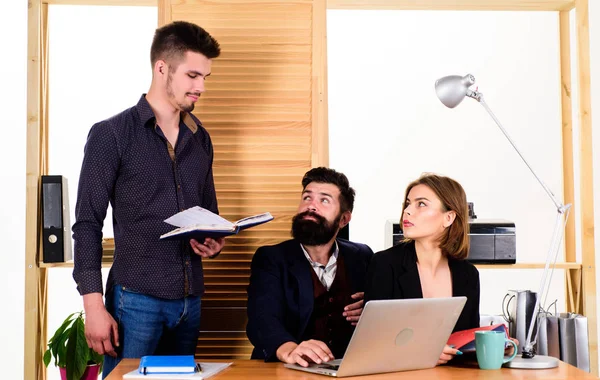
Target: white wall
(100,73)
(93,76)
(387,126)
(13,103)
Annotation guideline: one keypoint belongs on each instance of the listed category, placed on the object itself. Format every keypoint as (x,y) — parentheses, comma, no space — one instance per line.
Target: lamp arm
(557,235)
(564,226)
(479,97)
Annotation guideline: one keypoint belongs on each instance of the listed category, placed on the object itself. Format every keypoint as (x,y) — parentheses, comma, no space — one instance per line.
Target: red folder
(465,340)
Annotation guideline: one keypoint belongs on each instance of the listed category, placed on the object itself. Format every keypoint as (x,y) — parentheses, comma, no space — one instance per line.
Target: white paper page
(197,215)
(199,227)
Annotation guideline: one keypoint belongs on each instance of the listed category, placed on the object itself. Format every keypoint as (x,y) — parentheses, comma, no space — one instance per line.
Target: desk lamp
(451,90)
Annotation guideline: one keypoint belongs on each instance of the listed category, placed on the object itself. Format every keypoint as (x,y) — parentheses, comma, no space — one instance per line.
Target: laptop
(395,335)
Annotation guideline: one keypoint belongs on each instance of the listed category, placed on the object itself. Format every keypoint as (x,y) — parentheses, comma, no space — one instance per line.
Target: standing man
(306,294)
(150,162)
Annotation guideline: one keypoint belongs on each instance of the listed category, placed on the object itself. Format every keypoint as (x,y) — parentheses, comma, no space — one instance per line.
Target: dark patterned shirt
(129,162)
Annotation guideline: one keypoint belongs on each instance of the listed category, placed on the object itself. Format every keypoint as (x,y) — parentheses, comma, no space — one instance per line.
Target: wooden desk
(258,370)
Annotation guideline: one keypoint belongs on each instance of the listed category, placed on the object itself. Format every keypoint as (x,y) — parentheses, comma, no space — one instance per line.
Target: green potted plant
(71,353)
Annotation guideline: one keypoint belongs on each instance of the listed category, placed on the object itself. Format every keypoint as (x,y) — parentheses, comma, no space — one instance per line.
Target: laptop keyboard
(329,366)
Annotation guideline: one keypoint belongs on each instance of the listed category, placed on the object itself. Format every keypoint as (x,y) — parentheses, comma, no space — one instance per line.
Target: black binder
(56,238)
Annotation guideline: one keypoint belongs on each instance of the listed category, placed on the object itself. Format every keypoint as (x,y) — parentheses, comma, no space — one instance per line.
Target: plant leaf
(77,351)
(60,359)
(47,357)
(97,358)
(58,340)
(83,351)
(62,328)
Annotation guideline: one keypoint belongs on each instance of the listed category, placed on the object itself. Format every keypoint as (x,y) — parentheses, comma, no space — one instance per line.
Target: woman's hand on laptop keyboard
(308,351)
(448,354)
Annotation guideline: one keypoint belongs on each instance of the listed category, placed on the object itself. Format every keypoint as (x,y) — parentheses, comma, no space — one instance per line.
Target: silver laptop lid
(400,335)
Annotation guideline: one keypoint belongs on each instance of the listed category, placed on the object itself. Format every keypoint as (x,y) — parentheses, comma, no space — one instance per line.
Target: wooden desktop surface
(258,370)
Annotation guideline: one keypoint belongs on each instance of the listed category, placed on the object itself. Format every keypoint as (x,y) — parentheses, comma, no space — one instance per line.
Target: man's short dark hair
(327,175)
(173,40)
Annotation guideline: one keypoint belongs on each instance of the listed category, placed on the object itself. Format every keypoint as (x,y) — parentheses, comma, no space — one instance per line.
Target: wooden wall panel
(586,171)
(258,109)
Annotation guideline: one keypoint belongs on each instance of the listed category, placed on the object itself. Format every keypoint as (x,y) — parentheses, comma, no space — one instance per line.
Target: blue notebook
(156,364)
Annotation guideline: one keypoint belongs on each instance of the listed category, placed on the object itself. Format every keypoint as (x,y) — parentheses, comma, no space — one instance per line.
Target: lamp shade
(451,90)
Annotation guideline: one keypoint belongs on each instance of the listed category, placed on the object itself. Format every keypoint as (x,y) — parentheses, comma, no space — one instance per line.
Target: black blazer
(393,274)
(280,294)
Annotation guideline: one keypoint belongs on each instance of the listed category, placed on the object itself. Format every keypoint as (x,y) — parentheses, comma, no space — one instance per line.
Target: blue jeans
(151,326)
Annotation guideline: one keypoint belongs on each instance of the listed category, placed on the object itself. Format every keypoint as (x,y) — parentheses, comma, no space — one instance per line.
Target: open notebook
(199,223)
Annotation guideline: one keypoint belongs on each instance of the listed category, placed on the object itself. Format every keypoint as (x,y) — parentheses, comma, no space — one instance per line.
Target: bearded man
(306,294)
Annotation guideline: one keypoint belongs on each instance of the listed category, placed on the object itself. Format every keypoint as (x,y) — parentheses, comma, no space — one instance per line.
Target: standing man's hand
(101,330)
(209,249)
(353,311)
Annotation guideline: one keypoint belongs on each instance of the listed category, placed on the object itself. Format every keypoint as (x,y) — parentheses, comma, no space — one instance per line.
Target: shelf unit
(107,262)
(580,280)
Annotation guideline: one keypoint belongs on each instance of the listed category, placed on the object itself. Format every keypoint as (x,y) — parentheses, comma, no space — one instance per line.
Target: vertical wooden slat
(33,335)
(586,183)
(42,319)
(578,284)
(44,114)
(164,12)
(44,168)
(567,142)
(320,140)
(570,302)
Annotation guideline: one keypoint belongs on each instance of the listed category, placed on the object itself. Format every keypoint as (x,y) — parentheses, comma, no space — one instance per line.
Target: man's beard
(171,95)
(311,232)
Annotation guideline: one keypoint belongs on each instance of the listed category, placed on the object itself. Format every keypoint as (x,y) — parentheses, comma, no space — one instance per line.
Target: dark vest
(327,323)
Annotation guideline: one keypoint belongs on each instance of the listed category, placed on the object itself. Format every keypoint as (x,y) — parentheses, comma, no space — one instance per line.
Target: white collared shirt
(325,273)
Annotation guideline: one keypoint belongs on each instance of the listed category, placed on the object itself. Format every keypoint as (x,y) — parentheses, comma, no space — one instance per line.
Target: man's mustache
(304,214)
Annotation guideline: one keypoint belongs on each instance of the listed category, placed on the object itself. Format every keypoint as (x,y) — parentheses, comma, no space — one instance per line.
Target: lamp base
(536,362)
